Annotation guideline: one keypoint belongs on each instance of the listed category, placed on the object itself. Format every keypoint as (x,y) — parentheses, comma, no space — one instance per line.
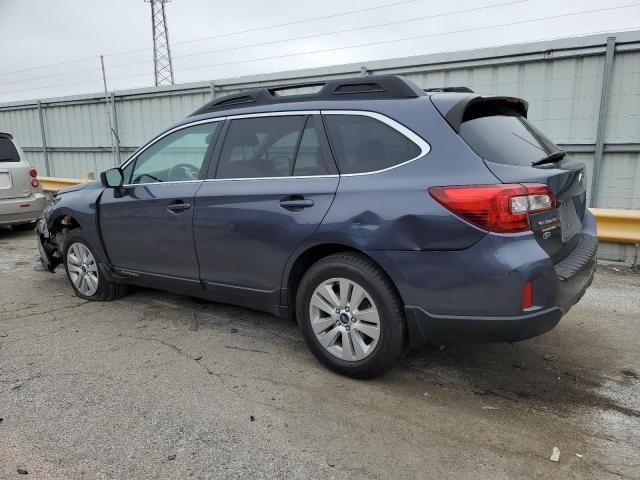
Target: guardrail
(53,184)
(614,225)
(617,225)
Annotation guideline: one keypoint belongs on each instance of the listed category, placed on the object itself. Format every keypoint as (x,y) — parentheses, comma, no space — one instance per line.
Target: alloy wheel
(345,319)
(83,269)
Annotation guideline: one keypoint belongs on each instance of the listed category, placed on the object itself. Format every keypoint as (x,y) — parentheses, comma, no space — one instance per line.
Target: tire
(105,290)
(24,227)
(339,341)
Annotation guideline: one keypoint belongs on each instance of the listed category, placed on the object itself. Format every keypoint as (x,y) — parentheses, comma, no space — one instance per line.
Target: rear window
(364,144)
(8,152)
(507,139)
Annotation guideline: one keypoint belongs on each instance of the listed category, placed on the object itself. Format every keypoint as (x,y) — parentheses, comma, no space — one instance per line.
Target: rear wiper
(551,158)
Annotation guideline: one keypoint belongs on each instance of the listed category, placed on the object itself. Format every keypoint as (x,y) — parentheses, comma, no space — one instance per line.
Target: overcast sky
(37,33)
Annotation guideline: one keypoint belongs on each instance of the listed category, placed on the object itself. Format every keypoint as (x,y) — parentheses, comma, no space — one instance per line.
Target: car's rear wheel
(83,271)
(351,316)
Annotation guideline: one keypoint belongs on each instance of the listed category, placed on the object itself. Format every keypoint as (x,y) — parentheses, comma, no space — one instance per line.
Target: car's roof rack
(449,89)
(373,87)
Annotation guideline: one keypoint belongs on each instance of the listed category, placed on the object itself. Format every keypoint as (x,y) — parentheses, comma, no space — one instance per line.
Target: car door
(271,187)
(147,225)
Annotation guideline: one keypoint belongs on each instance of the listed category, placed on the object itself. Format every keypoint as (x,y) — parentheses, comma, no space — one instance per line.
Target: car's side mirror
(112,178)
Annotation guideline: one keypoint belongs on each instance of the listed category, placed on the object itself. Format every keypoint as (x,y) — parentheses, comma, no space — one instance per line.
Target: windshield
(507,139)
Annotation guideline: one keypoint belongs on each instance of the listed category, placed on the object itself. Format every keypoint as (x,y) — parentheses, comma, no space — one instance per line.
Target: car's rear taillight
(33,173)
(502,208)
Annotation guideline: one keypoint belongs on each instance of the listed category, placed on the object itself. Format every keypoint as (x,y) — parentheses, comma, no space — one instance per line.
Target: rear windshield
(506,138)
(8,152)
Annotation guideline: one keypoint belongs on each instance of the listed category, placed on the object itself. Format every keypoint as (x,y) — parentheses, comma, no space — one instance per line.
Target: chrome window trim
(287,113)
(138,152)
(424,146)
(268,178)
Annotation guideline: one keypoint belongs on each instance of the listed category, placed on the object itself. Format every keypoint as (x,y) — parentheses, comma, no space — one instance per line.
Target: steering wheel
(139,178)
(189,172)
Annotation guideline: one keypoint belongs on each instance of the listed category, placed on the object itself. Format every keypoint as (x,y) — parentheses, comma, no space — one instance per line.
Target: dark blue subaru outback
(377,214)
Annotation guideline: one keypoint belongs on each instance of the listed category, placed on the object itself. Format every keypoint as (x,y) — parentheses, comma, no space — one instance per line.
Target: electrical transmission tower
(163,67)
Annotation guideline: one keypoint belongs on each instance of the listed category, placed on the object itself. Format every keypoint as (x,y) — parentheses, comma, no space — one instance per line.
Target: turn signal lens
(35,183)
(502,208)
(33,173)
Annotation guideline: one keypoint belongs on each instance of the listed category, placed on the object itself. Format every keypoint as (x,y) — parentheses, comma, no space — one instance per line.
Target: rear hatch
(15,181)
(515,151)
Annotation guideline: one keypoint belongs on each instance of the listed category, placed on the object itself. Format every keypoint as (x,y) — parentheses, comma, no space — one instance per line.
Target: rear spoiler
(454,106)
(6,135)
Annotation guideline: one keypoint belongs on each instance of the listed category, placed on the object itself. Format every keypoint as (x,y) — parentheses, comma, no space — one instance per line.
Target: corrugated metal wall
(561,79)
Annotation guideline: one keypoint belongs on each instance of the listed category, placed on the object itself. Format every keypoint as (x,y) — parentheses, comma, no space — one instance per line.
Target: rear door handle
(178,207)
(296,204)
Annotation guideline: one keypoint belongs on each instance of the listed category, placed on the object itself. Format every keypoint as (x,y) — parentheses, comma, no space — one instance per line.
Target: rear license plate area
(5,180)
(570,223)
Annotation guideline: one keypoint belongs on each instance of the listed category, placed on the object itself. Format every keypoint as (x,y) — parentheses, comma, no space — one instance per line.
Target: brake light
(33,173)
(35,183)
(501,208)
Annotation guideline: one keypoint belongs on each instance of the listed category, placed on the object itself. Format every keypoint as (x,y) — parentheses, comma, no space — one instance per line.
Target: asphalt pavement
(161,386)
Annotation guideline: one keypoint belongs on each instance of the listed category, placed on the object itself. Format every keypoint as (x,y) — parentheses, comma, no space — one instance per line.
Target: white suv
(22,201)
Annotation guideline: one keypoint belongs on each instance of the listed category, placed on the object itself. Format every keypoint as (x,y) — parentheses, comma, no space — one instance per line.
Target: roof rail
(450,89)
(373,87)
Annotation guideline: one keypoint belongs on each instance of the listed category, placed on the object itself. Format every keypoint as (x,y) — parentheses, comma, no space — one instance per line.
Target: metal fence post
(44,140)
(602,119)
(212,88)
(114,116)
(363,71)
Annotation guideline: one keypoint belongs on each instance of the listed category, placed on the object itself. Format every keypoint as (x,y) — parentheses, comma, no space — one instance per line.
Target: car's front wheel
(82,268)
(351,316)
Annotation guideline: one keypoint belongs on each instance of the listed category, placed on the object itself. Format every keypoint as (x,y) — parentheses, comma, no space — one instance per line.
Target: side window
(176,157)
(365,144)
(260,147)
(309,160)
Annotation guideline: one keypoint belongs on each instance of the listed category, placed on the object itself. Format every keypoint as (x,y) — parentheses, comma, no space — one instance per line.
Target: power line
(238,32)
(385,42)
(273,42)
(370,44)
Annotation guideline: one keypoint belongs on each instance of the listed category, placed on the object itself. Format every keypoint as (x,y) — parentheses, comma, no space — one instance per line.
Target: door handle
(178,207)
(296,204)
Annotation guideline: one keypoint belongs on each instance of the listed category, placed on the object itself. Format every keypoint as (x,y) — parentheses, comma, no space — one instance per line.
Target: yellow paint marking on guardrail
(614,225)
(53,184)
(617,225)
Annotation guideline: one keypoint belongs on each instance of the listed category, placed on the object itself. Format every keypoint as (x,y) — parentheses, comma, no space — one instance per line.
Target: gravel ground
(160,386)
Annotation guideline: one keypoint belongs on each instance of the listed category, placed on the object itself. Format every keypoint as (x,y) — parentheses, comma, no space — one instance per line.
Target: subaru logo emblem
(581,178)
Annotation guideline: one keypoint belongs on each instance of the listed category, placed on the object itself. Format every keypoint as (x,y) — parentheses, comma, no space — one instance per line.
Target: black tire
(24,227)
(392,342)
(107,290)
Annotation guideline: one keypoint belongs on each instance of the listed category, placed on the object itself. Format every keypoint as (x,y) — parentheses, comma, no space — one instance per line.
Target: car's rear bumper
(15,211)
(424,327)
(476,294)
